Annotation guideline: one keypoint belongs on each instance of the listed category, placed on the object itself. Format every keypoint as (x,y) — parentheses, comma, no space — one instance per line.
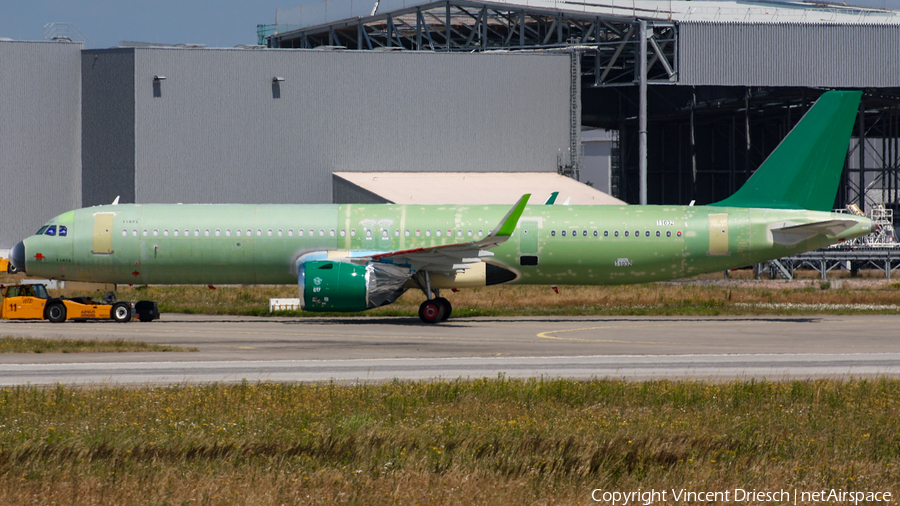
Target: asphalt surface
(377,349)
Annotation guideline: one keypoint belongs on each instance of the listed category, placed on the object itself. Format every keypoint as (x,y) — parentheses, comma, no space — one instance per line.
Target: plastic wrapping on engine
(384,283)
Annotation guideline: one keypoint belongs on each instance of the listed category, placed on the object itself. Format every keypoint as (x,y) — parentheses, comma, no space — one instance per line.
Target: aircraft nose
(17,256)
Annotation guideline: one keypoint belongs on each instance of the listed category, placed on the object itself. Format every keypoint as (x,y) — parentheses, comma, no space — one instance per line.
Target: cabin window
(657,233)
(206,232)
(176,232)
(258,232)
(290,232)
(237,232)
(626,233)
(428,233)
(584,233)
(218,232)
(279,232)
(134,233)
(668,233)
(616,233)
(437,232)
(397,232)
(596,233)
(299,232)
(155,232)
(459,233)
(368,233)
(606,233)
(269,232)
(637,233)
(352,232)
(124,233)
(563,233)
(678,233)
(470,233)
(384,233)
(343,232)
(196,232)
(321,233)
(406,233)
(480,233)
(228,232)
(647,234)
(166,232)
(553,233)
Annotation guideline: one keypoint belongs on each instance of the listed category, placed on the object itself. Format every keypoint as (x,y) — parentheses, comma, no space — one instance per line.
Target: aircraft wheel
(56,313)
(11,269)
(448,308)
(120,312)
(431,311)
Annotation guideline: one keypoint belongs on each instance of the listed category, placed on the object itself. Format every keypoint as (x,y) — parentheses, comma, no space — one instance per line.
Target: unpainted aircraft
(358,256)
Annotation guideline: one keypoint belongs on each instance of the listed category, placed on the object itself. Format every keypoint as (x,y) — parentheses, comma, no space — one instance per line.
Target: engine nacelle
(341,286)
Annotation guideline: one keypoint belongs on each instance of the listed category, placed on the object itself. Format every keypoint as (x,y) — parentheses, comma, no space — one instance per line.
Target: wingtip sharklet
(511,220)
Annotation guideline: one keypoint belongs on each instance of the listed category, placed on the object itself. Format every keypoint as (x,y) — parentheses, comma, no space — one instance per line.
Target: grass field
(708,295)
(673,298)
(12,344)
(490,441)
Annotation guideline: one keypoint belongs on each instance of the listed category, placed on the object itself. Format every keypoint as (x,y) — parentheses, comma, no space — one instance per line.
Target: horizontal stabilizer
(789,234)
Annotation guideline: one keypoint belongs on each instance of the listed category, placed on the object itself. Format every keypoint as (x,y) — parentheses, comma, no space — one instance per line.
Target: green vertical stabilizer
(804,170)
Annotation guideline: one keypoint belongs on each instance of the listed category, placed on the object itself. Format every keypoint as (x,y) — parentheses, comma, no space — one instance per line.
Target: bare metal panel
(218,129)
(40,135)
(788,54)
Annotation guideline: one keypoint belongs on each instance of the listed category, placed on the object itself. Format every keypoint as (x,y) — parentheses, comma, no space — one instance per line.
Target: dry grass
(461,442)
(697,297)
(12,344)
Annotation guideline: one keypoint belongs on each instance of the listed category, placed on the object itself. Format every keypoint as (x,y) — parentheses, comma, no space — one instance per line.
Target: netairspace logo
(738,495)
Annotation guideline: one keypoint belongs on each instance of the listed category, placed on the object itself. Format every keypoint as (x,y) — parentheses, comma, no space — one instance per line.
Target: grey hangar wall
(40,134)
(219,129)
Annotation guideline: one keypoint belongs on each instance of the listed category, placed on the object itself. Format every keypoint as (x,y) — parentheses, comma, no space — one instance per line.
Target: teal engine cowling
(340,286)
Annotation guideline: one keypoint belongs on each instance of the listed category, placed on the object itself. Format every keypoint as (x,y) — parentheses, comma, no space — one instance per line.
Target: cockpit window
(42,230)
(63,231)
(51,230)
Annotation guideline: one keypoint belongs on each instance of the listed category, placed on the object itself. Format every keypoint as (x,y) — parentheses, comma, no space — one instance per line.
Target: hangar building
(696,93)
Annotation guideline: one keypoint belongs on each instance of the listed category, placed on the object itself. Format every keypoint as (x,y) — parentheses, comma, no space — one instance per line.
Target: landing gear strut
(435,309)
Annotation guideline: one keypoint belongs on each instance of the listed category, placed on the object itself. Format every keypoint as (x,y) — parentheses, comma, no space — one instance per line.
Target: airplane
(353,257)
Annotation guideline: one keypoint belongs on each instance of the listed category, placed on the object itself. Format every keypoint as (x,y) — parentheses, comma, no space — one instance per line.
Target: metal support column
(642,115)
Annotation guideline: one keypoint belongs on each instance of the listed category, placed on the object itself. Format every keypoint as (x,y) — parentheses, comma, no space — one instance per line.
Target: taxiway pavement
(377,349)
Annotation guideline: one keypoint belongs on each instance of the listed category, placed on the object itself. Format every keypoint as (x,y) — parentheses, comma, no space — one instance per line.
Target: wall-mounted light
(159,78)
(277,79)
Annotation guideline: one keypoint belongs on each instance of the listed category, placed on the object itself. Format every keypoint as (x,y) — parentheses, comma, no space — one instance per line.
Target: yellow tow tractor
(32,302)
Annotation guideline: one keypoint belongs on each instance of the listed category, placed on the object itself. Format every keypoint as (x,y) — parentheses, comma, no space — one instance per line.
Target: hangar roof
(470,188)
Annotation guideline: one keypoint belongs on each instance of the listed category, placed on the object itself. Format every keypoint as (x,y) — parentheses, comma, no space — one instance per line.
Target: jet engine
(330,285)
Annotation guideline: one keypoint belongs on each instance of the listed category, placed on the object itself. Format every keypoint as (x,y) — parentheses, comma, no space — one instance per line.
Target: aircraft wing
(455,257)
(789,234)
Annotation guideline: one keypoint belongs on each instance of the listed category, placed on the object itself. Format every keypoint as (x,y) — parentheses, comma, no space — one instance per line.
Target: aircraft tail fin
(804,170)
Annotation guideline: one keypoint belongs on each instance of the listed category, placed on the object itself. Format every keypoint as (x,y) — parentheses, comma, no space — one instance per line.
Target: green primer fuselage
(260,244)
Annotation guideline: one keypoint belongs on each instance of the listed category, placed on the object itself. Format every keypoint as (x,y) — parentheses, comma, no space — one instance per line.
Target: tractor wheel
(120,312)
(56,313)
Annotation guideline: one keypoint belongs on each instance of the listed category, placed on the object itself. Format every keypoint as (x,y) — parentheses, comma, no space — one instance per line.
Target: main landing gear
(433,310)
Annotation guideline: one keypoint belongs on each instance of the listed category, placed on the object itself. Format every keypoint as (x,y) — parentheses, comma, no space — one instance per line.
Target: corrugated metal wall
(40,135)
(219,130)
(789,54)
